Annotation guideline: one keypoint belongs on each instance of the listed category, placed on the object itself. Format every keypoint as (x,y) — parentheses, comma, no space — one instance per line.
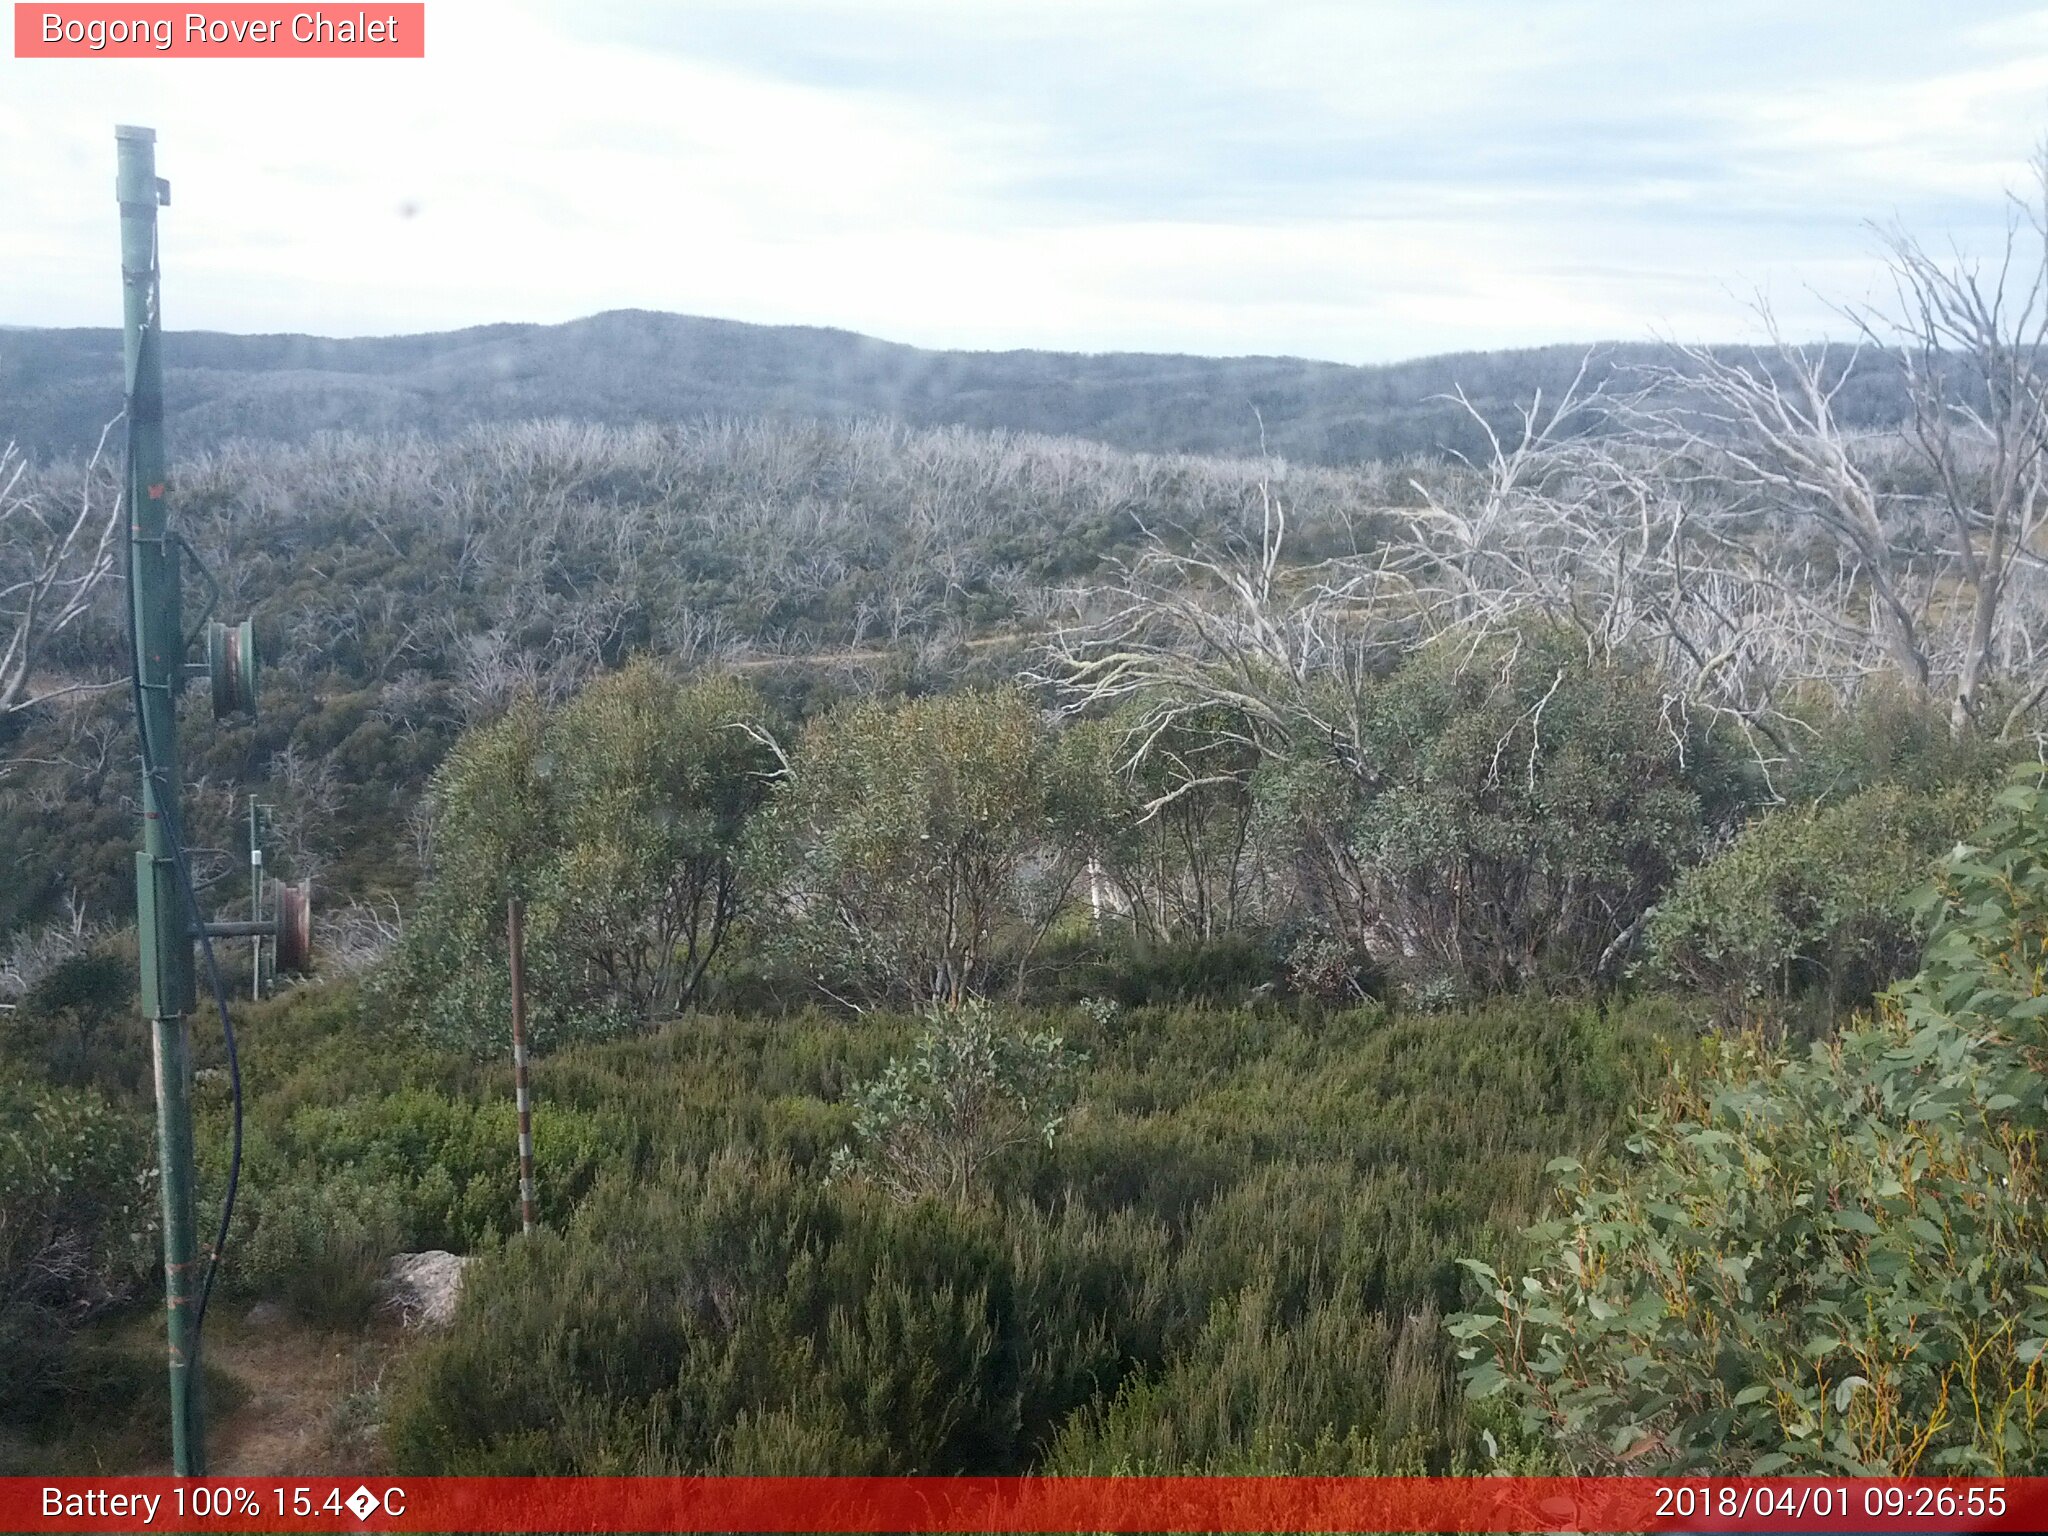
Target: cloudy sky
(1359,181)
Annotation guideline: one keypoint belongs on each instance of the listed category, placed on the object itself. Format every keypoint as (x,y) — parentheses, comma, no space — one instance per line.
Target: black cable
(167,814)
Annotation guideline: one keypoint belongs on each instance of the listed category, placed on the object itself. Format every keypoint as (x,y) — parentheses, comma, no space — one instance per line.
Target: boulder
(421,1289)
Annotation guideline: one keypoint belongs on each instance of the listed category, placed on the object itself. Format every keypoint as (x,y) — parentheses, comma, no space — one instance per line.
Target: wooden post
(516,938)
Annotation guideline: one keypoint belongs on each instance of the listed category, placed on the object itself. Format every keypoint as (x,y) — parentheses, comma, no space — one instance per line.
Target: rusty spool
(294,908)
(231,663)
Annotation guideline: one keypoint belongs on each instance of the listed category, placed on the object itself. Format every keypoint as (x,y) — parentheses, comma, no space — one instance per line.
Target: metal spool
(294,907)
(231,665)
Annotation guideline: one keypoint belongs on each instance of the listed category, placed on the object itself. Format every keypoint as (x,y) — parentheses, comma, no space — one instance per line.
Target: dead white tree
(1619,536)
(1195,635)
(1933,530)
(53,557)
(359,936)
(1968,340)
(1762,436)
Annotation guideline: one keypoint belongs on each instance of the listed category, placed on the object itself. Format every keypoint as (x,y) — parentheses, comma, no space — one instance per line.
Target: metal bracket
(212,589)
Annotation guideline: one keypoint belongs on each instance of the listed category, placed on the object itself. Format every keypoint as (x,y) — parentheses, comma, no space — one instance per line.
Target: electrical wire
(167,814)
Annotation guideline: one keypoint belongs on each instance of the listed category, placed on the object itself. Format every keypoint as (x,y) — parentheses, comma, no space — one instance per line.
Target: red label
(235,31)
(1023,1504)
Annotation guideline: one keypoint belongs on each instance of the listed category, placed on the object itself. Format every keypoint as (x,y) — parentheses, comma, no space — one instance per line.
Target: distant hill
(58,387)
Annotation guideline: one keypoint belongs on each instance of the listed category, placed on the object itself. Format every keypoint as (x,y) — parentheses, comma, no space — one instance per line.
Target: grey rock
(421,1289)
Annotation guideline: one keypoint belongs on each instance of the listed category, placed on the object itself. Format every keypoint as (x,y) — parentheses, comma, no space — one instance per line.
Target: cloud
(1345,180)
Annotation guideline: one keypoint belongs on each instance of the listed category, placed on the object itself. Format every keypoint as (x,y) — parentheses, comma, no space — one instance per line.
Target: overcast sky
(1357,181)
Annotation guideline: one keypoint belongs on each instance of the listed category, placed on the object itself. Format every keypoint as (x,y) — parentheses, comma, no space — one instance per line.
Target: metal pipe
(163,925)
(515,936)
(235,928)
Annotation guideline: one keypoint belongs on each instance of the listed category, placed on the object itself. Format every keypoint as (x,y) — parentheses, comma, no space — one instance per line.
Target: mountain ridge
(59,386)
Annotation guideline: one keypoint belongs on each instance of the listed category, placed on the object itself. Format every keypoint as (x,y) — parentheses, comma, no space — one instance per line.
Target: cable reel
(293,905)
(231,663)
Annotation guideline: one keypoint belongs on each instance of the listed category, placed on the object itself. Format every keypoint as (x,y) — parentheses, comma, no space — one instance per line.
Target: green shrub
(970,1093)
(699,1324)
(452,1165)
(331,1191)
(1886,736)
(617,820)
(1095,1303)
(70,1025)
(1504,818)
(319,1247)
(715,1305)
(1334,1389)
(362,1142)
(1832,1263)
(921,851)
(77,1227)
(1175,865)
(1808,900)
(1115,964)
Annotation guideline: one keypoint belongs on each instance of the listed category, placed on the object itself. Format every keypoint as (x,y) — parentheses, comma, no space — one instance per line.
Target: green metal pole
(163,926)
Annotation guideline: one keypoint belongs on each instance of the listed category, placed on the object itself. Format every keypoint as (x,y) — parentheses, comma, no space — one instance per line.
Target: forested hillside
(58,388)
(404,588)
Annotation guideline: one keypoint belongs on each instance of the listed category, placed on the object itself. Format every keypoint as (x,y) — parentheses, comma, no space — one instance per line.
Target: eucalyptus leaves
(1828,1262)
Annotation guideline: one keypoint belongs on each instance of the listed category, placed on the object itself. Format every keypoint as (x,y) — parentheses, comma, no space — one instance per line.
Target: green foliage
(319,1246)
(740,1319)
(1172,833)
(1833,1263)
(361,1142)
(68,1025)
(1263,1194)
(1130,970)
(1507,817)
(617,820)
(361,1145)
(970,1092)
(1808,899)
(443,1167)
(77,1226)
(1987,961)
(1888,736)
(918,848)
(93,987)
(1333,1390)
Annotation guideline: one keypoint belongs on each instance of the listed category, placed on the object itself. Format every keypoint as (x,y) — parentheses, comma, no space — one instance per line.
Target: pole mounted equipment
(168,919)
(231,666)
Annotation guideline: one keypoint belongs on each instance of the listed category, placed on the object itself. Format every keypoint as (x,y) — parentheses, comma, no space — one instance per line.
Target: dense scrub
(1285,1191)
(1511,821)
(1809,898)
(77,1229)
(616,822)
(1218,1224)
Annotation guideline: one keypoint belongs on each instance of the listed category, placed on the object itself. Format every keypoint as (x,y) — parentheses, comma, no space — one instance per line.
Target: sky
(1358,181)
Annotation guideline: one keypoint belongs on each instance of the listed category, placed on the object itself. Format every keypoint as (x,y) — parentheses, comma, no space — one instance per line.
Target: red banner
(1017,1504)
(230,31)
